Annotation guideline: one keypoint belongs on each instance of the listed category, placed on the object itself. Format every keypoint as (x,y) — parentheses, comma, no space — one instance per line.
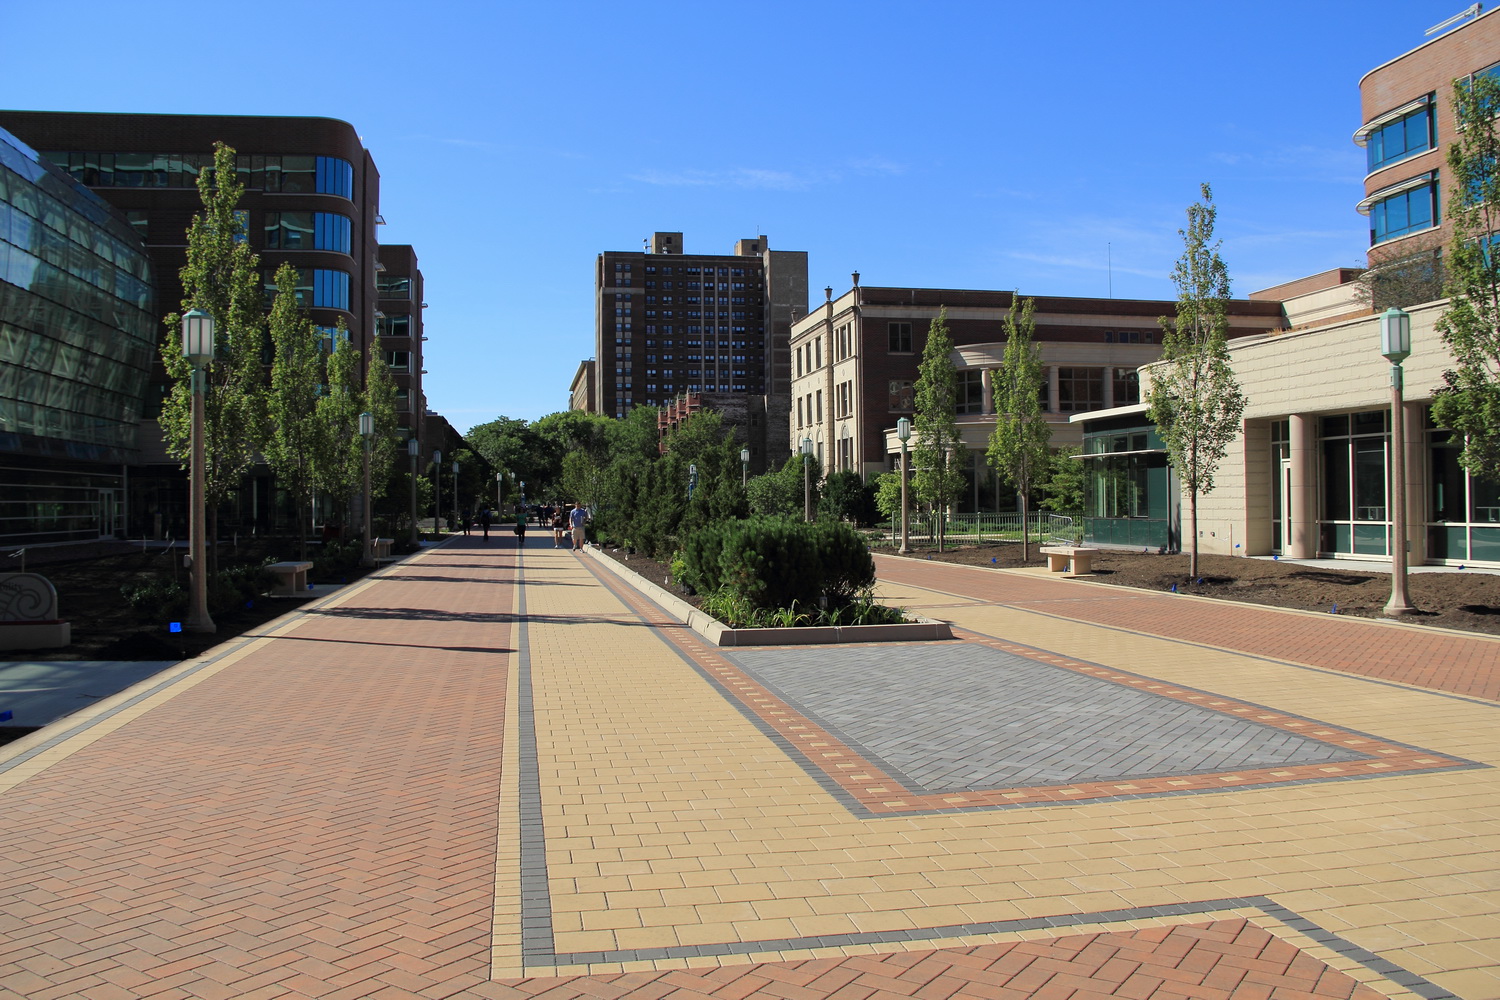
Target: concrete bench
(291,578)
(1074,560)
(380,549)
(28,613)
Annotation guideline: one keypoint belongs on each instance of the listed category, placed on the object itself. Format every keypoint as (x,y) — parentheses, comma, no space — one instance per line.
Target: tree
(888,495)
(293,445)
(1468,403)
(380,403)
(222,278)
(1018,444)
(340,469)
(938,480)
(1194,399)
(1064,484)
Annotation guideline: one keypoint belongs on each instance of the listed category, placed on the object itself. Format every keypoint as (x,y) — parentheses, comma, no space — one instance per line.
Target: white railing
(961,529)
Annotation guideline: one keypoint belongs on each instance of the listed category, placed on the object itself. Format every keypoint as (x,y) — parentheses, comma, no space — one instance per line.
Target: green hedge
(779,563)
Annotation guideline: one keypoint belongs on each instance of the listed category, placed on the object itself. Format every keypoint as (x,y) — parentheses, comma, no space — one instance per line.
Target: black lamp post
(198,348)
(367,431)
(414,449)
(437,491)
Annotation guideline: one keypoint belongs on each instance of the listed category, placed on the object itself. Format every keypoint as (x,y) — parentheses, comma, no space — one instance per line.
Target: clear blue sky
(1050,148)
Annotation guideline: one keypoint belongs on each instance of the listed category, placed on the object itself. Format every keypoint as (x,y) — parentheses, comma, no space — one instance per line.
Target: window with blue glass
(1407,136)
(331,232)
(1404,212)
(335,176)
(330,289)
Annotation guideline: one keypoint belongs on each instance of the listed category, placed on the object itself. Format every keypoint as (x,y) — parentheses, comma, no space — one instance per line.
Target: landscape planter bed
(719,634)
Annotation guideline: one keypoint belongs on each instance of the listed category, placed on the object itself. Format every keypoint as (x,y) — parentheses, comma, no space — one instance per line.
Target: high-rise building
(669,323)
(78,333)
(312,199)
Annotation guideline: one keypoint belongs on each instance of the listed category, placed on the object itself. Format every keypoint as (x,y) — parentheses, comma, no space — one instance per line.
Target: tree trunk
(1025,534)
(213,540)
(1193,541)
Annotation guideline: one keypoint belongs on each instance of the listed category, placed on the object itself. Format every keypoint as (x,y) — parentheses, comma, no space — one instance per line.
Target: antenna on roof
(1471,11)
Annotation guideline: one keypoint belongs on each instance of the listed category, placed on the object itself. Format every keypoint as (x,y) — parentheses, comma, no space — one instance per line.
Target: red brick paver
(1442,660)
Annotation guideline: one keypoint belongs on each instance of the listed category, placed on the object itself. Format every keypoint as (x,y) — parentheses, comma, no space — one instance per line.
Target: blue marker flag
(174,626)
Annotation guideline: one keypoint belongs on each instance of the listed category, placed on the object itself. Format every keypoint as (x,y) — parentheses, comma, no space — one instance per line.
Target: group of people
(566,524)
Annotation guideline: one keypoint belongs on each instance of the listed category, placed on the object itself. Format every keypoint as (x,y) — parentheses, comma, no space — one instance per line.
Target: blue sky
(1047,148)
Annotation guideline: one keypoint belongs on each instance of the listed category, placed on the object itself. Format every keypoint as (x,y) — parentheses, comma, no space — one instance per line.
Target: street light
(437,490)
(903,434)
(198,348)
(807,446)
(367,431)
(1395,345)
(744,467)
(499,482)
(414,449)
(455,491)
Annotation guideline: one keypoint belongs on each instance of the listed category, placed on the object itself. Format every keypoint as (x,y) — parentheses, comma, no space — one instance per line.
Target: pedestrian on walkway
(578,517)
(521,526)
(559,525)
(484,522)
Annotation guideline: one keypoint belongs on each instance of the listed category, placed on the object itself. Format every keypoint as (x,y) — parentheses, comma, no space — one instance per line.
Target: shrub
(778,563)
(156,596)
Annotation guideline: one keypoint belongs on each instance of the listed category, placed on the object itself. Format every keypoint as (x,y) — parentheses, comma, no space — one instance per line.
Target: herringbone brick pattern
(1444,661)
(1225,958)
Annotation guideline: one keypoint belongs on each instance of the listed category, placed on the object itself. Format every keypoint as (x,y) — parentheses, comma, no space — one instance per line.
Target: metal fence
(974,528)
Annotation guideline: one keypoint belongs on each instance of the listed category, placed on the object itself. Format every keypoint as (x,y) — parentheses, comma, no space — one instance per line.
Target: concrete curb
(719,634)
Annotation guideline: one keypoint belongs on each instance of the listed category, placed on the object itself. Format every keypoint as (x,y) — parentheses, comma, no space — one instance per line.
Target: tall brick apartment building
(1406,107)
(855,358)
(669,323)
(312,199)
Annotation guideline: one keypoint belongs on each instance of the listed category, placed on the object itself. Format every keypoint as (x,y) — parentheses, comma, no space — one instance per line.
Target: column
(1052,389)
(987,390)
(1303,493)
(1416,468)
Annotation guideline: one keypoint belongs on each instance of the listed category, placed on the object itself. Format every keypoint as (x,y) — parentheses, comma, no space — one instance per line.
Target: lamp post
(903,434)
(367,431)
(198,348)
(499,482)
(807,447)
(1395,345)
(413,449)
(437,490)
(744,467)
(455,491)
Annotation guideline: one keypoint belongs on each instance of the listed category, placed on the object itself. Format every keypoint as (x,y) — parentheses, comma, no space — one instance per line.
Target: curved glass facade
(77,338)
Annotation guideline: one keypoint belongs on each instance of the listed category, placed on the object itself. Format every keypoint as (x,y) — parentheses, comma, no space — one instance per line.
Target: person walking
(484,522)
(578,517)
(559,525)
(521,526)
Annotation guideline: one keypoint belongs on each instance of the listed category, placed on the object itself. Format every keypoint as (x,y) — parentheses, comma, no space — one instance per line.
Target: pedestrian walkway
(495,772)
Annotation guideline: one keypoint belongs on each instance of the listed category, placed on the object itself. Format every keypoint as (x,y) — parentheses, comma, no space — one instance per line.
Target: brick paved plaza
(495,773)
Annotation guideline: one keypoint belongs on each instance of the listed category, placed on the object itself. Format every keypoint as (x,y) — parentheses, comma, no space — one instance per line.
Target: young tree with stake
(1018,444)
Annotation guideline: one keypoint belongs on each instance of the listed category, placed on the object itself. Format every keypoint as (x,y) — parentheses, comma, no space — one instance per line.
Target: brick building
(669,322)
(1407,125)
(855,358)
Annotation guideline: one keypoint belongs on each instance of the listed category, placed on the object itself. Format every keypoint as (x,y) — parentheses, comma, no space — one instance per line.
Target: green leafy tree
(1063,488)
(1194,400)
(340,469)
(1468,403)
(888,494)
(845,497)
(1018,444)
(938,449)
(222,278)
(380,403)
(293,444)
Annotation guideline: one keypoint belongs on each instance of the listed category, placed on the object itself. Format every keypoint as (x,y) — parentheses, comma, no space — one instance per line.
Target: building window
(330,289)
(1127,387)
(393,326)
(900,338)
(1405,212)
(1410,134)
(398,361)
(970,385)
(335,176)
(391,286)
(901,396)
(1080,389)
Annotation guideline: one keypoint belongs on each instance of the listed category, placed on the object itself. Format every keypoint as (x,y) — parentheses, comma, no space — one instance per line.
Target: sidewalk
(496,773)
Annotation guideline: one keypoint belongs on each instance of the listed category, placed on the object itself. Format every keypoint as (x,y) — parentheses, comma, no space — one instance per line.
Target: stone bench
(1074,560)
(380,549)
(291,577)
